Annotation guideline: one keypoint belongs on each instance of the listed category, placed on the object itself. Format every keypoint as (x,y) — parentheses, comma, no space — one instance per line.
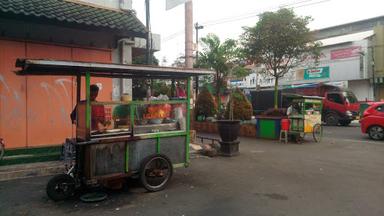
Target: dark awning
(75,15)
(73,68)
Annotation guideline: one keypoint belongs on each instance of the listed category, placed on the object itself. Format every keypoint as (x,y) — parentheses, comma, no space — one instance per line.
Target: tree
(205,104)
(179,61)
(142,61)
(139,85)
(281,41)
(224,58)
(242,108)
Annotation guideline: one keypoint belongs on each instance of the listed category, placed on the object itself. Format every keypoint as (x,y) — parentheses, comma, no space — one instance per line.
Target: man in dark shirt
(97,111)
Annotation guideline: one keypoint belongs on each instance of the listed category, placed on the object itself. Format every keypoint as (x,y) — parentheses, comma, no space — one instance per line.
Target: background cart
(305,116)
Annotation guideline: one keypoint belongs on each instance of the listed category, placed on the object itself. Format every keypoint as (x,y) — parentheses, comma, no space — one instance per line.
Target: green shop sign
(316,73)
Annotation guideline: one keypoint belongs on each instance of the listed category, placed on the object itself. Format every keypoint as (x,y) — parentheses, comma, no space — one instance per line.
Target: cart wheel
(299,139)
(317,132)
(155,172)
(60,187)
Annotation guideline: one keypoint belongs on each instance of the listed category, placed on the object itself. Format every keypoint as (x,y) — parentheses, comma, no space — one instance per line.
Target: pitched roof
(74,14)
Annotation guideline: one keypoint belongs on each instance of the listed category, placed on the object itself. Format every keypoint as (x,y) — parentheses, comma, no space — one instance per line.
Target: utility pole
(189,40)
(373,73)
(147,22)
(188,34)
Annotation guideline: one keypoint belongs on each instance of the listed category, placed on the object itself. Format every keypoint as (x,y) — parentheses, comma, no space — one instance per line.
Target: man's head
(94,92)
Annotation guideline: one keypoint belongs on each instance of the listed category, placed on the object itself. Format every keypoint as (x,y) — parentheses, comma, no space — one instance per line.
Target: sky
(226,18)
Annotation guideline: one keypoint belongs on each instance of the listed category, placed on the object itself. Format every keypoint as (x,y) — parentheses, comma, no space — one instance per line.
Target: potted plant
(205,105)
(238,108)
(229,131)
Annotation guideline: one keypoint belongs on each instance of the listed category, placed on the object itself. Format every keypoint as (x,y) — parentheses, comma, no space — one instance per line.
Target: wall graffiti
(14,114)
(53,95)
(2,80)
(61,82)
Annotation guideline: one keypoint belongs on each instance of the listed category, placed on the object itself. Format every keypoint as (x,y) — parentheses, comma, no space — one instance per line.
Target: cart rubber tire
(332,119)
(376,132)
(345,122)
(317,132)
(298,138)
(60,187)
(147,169)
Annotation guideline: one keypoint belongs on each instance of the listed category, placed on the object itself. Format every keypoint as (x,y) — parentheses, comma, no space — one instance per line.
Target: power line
(248,15)
(253,14)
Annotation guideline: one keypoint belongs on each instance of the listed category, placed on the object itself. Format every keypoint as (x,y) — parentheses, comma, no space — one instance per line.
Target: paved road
(343,175)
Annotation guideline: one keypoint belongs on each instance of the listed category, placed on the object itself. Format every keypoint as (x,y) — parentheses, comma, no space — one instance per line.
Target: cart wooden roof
(76,68)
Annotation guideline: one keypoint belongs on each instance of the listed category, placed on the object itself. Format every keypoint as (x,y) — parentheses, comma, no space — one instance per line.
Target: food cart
(306,118)
(144,139)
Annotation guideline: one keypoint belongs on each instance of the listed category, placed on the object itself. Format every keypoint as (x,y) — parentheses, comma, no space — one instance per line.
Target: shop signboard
(316,73)
(345,52)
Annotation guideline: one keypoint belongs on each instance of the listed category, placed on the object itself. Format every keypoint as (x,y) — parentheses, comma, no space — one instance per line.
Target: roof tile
(72,12)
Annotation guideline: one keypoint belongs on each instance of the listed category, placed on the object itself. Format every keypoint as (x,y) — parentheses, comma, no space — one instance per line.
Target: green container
(268,127)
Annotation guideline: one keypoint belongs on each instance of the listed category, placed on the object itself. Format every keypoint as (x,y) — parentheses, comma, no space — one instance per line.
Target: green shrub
(242,108)
(160,87)
(205,104)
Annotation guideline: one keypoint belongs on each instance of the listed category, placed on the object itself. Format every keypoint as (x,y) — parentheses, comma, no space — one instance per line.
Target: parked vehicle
(340,106)
(372,122)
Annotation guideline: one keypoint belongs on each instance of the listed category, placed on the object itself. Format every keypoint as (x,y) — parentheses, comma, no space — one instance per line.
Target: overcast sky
(226,18)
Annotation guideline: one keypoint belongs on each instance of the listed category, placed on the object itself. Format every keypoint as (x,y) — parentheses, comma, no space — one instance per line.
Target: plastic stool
(285,137)
(285,123)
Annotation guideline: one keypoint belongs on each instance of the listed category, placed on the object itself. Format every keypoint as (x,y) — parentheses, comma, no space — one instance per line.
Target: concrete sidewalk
(31,170)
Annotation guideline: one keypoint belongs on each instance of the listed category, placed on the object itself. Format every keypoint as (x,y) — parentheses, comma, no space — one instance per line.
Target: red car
(372,121)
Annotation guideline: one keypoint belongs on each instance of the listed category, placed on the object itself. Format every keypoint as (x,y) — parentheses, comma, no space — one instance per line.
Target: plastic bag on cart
(68,152)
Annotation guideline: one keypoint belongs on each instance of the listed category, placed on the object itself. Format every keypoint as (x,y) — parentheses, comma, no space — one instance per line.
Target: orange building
(34,111)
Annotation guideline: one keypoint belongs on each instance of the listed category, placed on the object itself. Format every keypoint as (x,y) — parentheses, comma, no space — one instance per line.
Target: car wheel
(376,132)
(331,119)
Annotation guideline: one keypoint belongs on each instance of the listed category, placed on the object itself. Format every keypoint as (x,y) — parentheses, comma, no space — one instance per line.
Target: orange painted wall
(13,120)
(34,110)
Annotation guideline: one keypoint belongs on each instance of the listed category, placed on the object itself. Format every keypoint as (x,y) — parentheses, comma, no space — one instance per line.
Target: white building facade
(345,61)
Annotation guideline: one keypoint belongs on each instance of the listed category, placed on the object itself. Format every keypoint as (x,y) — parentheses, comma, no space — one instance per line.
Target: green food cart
(306,119)
(142,144)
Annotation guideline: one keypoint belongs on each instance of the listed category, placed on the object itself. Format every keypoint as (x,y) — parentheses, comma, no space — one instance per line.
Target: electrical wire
(248,15)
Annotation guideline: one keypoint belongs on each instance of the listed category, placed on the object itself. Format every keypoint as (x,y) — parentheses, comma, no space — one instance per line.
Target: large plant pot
(228,129)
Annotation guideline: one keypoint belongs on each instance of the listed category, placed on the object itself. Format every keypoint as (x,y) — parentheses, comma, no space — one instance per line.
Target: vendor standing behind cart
(98,113)
(293,109)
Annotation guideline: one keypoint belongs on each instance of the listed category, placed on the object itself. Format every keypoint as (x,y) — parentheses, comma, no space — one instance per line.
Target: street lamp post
(197,28)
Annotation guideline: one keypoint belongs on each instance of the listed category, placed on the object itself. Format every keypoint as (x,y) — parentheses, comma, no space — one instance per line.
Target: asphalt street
(342,175)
